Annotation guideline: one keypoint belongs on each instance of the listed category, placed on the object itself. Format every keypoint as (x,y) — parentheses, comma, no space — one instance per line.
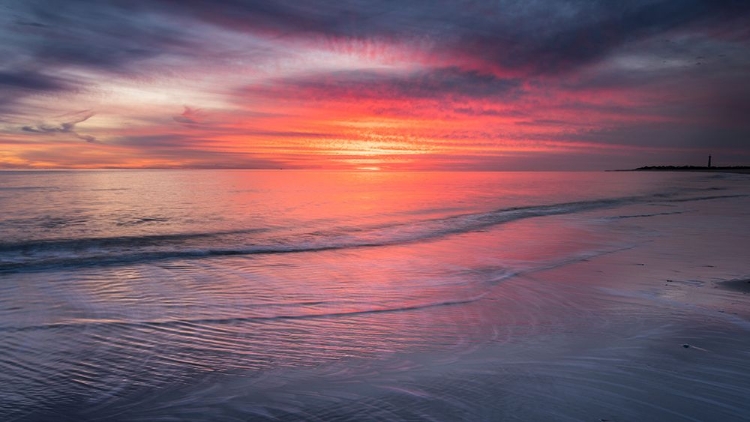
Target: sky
(378,84)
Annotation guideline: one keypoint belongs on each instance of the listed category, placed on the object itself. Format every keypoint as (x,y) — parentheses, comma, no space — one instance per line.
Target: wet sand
(587,342)
(736,285)
(635,313)
(659,331)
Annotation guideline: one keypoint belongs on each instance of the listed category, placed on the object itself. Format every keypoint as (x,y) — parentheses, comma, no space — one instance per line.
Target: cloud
(177,150)
(515,38)
(534,37)
(27,80)
(67,127)
(17,85)
(106,35)
(342,75)
(189,116)
(423,84)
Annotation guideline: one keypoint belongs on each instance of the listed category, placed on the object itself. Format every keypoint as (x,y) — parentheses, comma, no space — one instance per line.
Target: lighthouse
(709,161)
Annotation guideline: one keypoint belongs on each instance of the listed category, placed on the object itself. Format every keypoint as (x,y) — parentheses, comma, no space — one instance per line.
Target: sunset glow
(374,210)
(372,86)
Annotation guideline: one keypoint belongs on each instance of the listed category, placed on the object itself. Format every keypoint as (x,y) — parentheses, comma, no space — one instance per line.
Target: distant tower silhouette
(709,161)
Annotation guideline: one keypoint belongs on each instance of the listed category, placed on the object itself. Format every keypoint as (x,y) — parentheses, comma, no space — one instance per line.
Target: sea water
(309,295)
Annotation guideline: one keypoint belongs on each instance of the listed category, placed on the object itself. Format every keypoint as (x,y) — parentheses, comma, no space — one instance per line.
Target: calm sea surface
(300,295)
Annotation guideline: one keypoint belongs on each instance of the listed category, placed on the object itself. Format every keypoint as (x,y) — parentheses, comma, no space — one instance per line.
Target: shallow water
(244,295)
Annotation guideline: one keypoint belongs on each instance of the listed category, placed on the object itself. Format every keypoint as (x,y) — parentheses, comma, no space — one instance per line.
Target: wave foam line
(108,242)
(312,242)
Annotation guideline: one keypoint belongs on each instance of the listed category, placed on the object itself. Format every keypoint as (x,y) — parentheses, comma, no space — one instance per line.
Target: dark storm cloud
(41,41)
(538,37)
(18,84)
(101,35)
(29,80)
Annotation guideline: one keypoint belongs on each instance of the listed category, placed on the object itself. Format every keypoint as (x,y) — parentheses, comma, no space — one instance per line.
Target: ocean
(238,295)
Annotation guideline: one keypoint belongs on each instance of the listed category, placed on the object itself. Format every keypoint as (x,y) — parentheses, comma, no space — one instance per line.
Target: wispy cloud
(190,116)
(67,127)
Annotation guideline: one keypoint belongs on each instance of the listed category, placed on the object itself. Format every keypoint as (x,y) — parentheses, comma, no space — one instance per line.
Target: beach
(347,296)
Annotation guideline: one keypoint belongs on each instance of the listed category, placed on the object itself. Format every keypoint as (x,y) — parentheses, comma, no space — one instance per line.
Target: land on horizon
(715,169)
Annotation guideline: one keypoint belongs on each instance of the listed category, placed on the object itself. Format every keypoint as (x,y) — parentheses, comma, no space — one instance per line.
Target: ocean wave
(56,254)
(116,241)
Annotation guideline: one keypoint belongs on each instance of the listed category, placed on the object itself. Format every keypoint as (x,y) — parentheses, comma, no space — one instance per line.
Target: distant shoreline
(725,169)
